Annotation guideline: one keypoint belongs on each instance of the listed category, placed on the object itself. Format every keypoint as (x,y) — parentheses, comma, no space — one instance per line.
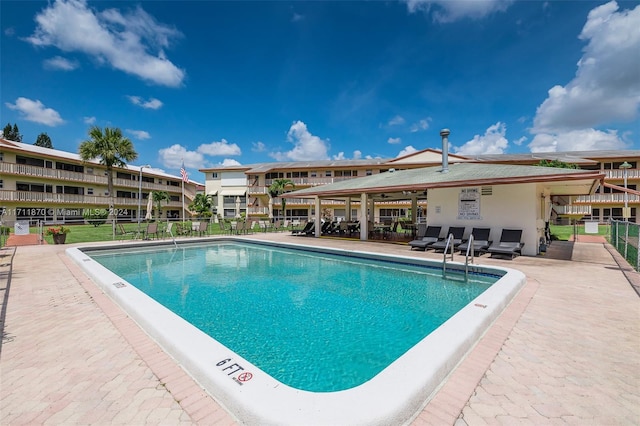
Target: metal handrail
(466,260)
(446,247)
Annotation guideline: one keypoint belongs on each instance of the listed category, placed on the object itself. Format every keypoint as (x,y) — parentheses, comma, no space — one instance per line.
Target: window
(1,184)
(1,156)
(214,175)
(327,173)
(89,191)
(29,161)
(68,167)
(314,174)
(127,176)
(89,170)
(368,172)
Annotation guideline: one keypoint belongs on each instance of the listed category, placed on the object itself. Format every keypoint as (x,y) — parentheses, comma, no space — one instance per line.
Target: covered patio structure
(467,194)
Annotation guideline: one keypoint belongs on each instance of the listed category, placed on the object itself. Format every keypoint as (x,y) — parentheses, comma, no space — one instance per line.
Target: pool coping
(395,395)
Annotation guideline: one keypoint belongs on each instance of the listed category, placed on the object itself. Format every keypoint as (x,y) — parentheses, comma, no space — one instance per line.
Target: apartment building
(244,190)
(42,184)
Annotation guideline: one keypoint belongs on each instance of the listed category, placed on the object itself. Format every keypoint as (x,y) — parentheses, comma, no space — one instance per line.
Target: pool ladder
(466,260)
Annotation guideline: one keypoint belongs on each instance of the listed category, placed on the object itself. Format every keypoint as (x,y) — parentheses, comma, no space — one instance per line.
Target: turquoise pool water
(317,322)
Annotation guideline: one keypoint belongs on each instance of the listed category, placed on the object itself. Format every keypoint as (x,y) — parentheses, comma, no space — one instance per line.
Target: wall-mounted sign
(469,204)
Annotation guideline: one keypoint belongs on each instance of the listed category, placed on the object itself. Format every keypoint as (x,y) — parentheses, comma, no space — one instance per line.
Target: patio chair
(509,244)
(458,234)
(430,235)
(121,232)
(151,231)
(202,229)
(481,241)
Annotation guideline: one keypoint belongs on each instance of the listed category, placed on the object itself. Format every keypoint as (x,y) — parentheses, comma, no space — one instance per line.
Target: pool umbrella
(237,206)
(149,207)
(270,208)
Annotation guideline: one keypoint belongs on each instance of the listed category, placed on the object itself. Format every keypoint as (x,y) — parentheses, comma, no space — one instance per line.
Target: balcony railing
(572,210)
(611,198)
(67,199)
(619,174)
(86,178)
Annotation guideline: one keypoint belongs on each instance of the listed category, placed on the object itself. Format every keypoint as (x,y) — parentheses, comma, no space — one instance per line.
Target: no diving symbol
(244,377)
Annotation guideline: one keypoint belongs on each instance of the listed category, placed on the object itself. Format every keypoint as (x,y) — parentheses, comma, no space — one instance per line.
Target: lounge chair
(458,234)
(481,241)
(509,244)
(431,235)
(303,231)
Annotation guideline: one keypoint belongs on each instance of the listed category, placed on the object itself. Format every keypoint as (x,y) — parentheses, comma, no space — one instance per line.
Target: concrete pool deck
(566,351)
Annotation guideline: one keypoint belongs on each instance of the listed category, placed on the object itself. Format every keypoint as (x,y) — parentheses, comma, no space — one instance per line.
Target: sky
(213,83)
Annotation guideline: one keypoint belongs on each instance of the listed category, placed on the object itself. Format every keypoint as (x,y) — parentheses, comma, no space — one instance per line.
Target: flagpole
(183,200)
(185,178)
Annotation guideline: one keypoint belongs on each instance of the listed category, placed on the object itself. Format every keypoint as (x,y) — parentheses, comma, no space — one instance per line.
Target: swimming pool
(398,383)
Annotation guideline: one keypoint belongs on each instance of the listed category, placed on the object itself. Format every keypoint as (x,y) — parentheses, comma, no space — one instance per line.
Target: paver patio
(566,351)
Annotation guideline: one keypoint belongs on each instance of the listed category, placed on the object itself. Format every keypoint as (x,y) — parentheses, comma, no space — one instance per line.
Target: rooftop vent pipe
(444,133)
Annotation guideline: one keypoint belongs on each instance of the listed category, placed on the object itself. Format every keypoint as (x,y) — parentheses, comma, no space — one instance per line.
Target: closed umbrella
(237,206)
(149,207)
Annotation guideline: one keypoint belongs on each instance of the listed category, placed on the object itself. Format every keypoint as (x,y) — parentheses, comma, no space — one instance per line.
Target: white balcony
(611,198)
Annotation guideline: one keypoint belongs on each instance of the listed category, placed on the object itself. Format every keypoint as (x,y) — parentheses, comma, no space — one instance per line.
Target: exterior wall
(508,207)
(67,193)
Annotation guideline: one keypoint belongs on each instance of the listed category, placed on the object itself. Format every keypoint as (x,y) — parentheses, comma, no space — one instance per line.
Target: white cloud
(340,156)
(173,157)
(306,145)
(357,154)
(394,141)
(219,148)
(230,162)
(520,141)
(133,42)
(35,111)
(408,150)
(89,120)
(420,125)
(258,147)
(452,10)
(577,140)
(492,142)
(396,121)
(60,63)
(152,103)
(606,87)
(139,134)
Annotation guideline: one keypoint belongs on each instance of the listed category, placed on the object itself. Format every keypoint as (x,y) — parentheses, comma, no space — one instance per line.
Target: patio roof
(397,184)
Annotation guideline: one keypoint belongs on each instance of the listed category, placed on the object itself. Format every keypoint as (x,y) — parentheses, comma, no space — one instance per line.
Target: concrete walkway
(566,351)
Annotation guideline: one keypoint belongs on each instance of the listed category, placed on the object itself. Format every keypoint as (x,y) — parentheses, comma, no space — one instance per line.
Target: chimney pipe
(444,133)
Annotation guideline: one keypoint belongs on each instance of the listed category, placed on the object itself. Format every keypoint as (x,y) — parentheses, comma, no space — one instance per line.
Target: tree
(44,141)
(158,198)
(113,150)
(277,188)
(557,163)
(11,133)
(202,205)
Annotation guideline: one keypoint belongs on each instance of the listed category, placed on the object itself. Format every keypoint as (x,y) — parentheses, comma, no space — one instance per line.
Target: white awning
(212,193)
(235,192)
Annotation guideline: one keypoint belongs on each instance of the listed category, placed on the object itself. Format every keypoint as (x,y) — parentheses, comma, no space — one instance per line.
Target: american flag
(183,173)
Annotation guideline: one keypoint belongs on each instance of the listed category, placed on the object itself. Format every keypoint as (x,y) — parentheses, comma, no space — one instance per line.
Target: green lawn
(564,232)
(89,233)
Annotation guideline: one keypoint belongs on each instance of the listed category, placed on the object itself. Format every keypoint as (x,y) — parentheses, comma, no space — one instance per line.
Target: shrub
(95,217)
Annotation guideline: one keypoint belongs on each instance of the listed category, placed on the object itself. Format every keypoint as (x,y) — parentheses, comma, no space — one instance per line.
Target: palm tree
(202,205)
(158,198)
(113,150)
(277,188)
